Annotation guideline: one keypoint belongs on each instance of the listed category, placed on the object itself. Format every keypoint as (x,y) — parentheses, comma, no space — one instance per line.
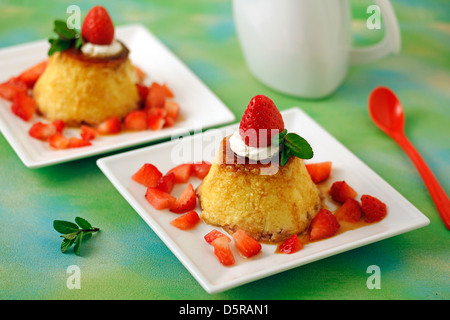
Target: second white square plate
(200,108)
(197,255)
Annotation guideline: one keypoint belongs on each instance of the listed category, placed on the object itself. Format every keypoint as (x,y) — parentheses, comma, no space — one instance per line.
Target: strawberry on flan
(91,83)
(270,199)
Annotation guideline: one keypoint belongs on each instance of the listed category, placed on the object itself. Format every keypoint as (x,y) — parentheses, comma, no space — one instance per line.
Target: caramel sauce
(77,54)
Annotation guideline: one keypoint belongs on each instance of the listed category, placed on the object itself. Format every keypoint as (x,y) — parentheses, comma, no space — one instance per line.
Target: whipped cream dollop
(237,144)
(97,50)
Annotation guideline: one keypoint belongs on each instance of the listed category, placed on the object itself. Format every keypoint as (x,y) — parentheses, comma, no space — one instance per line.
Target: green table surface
(127,260)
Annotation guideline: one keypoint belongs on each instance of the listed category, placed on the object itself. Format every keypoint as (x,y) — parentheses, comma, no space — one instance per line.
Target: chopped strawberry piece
(58,141)
(110,126)
(59,125)
(42,131)
(78,143)
(291,245)
(186,221)
(182,172)
(341,191)
(374,210)
(98,27)
(156,97)
(186,202)
(169,93)
(261,120)
(319,172)
(23,106)
(30,76)
(10,88)
(148,175)
(143,91)
(246,245)
(87,133)
(200,170)
(214,234)
(223,251)
(172,108)
(159,199)
(166,182)
(324,225)
(350,211)
(136,120)
(156,119)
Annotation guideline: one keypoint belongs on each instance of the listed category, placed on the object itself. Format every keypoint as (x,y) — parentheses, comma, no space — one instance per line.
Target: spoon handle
(437,193)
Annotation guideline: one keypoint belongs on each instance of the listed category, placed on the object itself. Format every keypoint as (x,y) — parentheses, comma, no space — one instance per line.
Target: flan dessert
(271,199)
(90,82)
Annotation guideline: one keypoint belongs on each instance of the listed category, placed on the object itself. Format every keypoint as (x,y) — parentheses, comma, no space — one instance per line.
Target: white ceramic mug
(304,47)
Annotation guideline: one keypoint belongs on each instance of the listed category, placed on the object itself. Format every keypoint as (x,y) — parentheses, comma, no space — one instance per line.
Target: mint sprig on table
(66,38)
(292,144)
(74,233)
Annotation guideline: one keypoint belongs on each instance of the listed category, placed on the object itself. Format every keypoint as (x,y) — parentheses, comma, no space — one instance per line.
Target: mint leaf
(285,155)
(59,45)
(70,236)
(78,241)
(299,146)
(65,227)
(66,244)
(63,31)
(83,223)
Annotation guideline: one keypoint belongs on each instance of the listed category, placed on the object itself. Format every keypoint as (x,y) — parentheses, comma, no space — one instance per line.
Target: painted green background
(126,260)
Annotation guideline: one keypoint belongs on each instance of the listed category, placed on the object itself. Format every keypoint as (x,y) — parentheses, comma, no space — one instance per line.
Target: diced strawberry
(23,106)
(143,91)
(110,126)
(159,199)
(319,172)
(136,120)
(374,210)
(350,211)
(341,191)
(78,143)
(200,170)
(58,141)
(169,93)
(156,97)
(214,234)
(42,131)
(324,225)
(172,108)
(10,88)
(182,172)
(59,125)
(156,119)
(87,133)
(166,182)
(148,175)
(246,245)
(186,202)
(291,245)
(186,221)
(30,76)
(223,251)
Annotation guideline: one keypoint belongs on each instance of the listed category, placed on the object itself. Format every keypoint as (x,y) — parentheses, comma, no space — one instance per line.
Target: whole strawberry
(261,120)
(98,27)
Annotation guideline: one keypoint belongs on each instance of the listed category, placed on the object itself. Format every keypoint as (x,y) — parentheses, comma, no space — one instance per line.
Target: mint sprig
(66,39)
(292,144)
(74,233)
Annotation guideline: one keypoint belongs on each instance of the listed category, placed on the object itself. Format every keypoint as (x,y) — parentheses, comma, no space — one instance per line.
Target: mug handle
(390,43)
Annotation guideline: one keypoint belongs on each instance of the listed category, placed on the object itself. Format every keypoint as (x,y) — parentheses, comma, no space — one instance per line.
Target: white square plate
(197,255)
(200,108)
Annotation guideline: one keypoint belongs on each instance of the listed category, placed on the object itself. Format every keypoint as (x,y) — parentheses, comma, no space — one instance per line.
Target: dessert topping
(98,27)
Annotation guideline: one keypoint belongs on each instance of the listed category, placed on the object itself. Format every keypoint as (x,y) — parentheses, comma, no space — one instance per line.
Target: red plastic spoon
(387,113)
